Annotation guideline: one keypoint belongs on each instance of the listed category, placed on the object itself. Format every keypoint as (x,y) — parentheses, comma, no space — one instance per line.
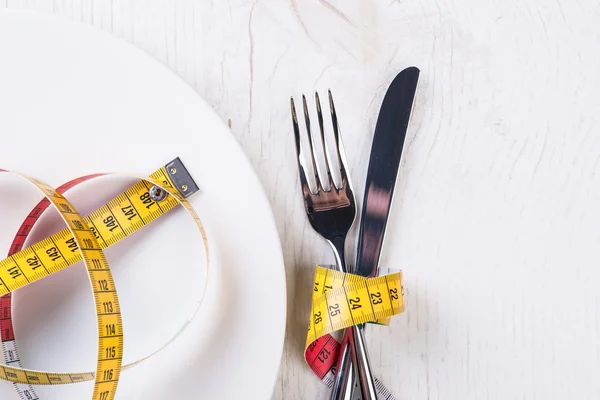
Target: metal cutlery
(331,209)
(331,212)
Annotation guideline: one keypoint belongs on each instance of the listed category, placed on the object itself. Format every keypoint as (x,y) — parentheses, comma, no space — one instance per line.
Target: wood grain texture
(496,222)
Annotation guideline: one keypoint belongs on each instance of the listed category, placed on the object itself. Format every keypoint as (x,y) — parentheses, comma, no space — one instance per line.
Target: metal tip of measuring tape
(181,178)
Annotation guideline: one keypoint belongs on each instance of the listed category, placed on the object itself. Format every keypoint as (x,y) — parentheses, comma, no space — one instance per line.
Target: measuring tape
(341,300)
(84,239)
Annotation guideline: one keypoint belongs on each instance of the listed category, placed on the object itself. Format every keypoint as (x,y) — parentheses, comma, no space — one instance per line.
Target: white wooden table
(496,221)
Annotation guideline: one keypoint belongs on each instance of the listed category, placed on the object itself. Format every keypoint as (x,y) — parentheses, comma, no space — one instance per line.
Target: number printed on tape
(342,300)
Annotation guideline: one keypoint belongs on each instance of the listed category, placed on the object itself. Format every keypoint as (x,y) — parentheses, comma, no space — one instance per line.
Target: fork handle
(354,343)
(343,383)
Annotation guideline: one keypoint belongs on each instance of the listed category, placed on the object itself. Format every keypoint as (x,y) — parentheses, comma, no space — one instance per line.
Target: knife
(384,162)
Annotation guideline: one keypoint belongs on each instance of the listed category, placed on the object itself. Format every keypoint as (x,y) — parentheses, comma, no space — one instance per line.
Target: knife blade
(384,162)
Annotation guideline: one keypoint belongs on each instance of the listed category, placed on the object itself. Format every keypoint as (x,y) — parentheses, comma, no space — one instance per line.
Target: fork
(331,211)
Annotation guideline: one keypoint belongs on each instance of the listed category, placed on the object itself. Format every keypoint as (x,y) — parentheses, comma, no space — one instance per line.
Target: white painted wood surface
(496,222)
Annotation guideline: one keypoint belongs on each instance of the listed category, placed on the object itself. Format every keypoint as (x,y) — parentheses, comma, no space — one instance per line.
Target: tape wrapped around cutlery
(84,239)
(341,300)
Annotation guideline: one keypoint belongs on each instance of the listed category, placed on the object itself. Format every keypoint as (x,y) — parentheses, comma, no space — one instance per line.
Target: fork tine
(324,143)
(339,145)
(319,174)
(299,153)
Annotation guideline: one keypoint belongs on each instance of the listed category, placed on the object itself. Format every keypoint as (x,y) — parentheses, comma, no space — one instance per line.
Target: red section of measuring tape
(322,354)
(8,332)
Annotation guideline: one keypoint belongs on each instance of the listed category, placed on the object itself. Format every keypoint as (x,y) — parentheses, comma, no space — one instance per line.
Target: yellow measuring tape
(341,300)
(84,239)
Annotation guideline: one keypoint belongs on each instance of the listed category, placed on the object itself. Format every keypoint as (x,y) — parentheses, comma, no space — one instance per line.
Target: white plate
(74,101)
